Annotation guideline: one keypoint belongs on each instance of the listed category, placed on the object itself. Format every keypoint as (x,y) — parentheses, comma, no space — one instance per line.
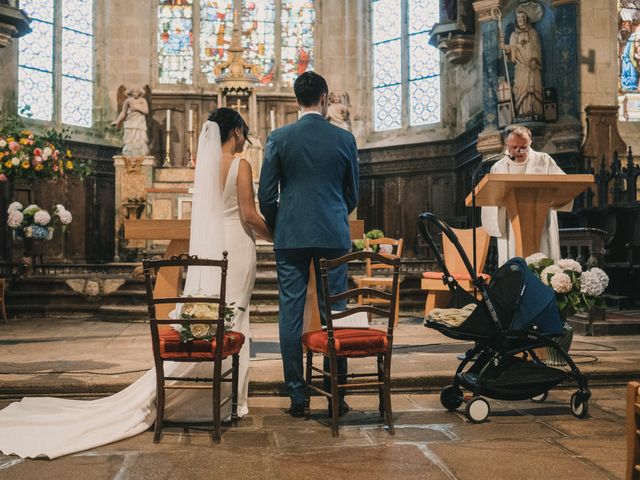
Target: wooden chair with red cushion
(168,346)
(437,291)
(333,342)
(633,431)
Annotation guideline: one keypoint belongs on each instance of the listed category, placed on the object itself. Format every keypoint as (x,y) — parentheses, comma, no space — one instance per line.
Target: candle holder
(167,155)
(192,163)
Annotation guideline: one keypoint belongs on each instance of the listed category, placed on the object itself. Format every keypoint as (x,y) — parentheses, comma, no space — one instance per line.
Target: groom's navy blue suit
(308,187)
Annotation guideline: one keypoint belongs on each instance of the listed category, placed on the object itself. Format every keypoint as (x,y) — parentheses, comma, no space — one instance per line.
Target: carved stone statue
(134,109)
(339,110)
(525,51)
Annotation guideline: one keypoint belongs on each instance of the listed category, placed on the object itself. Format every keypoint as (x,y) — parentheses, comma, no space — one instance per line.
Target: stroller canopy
(522,300)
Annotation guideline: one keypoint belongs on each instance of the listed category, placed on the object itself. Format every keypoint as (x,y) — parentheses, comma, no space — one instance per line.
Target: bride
(224,218)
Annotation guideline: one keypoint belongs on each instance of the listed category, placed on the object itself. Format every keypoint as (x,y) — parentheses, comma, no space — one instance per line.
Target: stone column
(566,59)
(489,140)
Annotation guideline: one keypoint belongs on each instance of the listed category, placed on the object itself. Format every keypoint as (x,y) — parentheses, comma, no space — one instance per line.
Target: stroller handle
(446,230)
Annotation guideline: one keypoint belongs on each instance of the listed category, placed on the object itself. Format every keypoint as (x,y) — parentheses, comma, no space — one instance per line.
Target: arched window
(55,62)
(194,35)
(406,69)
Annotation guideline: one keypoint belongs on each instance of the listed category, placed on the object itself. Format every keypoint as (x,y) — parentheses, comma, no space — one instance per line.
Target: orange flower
(25,164)
(24,141)
(39,167)
(8,164)
(69,165)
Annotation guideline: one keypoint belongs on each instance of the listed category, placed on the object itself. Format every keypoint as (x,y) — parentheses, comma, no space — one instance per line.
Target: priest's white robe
(496,222)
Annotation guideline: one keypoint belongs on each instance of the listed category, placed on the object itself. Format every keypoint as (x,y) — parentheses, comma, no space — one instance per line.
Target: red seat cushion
(171,347)
(457,276)
(348,341)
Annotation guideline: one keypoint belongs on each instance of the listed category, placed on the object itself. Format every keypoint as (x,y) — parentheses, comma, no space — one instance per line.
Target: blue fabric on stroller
(537,303)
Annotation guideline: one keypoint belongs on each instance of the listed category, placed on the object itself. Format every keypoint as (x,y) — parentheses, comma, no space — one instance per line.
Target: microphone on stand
(490,160)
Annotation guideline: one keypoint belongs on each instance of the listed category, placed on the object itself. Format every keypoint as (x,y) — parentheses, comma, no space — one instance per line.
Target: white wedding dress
(52,427)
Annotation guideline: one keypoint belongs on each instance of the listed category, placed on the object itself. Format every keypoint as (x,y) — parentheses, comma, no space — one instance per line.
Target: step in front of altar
(48,292)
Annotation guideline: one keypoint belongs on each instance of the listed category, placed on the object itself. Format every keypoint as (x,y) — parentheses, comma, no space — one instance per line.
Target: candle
(272,116)
(168,120)
(190,120)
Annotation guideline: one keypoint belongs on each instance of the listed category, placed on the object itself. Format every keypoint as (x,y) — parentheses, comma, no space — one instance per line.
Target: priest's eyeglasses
(518,149)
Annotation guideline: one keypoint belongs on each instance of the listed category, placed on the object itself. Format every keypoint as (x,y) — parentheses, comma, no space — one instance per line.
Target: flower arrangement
(204,311)
(35,222)
(371,235)
(23,154)
(576,290)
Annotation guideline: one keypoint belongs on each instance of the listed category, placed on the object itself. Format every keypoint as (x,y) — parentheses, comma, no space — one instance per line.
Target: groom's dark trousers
(293,275)
(308,187)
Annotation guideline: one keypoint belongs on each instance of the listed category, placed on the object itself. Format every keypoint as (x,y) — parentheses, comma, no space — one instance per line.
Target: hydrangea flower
(535,259)
(42,217)
(548,272)
(569,264)
(15,218)
(561,283)
(591,285)
(602,276)
(14,206)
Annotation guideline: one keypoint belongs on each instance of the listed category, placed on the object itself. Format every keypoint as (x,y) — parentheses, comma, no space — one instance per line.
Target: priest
(519,158)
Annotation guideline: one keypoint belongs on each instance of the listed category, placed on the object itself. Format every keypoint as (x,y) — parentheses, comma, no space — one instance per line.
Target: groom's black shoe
(296,411)
(342,409)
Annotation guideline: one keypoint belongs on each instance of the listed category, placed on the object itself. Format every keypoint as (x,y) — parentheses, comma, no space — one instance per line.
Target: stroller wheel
(451,397)
(478,409)
(540,398)
(579,406)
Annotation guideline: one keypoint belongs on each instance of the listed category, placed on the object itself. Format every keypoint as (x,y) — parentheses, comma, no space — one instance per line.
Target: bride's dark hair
(228,119)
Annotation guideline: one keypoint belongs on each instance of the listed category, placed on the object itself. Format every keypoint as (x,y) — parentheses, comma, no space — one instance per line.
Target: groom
(314,164)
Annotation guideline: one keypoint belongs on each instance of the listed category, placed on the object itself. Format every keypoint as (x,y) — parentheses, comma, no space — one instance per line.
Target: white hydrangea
(549,271)
(46,152)
(602,276)
(535,259)
(569,264)
(15,218)
(590,284)
(14,206)
(42,217)
(65,216)
(561,282)
(15,161)
(3,143)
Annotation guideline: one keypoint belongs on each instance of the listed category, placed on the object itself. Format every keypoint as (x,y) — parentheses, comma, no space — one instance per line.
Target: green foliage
(358,245)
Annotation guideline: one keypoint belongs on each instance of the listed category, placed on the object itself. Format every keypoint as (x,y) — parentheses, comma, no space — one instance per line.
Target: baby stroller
(516,314)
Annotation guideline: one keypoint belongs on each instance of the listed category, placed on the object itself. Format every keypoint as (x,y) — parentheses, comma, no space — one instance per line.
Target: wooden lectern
(528,198)
(178,232)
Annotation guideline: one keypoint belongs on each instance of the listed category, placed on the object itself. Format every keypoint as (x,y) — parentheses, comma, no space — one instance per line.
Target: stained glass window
(297,19)
(406,69)
(258,37)
(628,52)
(35,61)
(175,41)
(37,82)
(77,62)
(265,24)
(387,71)
(216,25)
(424,64)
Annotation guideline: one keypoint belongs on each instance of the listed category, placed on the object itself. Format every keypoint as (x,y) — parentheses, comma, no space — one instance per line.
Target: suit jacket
(314,164)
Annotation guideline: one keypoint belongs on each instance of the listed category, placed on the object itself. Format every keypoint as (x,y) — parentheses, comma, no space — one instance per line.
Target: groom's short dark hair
(309,87)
